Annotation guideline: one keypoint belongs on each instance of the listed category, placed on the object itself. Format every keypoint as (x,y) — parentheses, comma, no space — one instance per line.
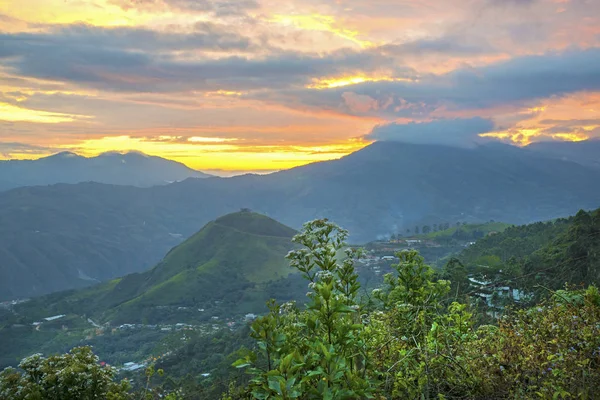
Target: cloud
(9,149)
(359,103)
(446,45)
(514,82)
(136,59)
(571,122)
(148,61)
(488,58)
(218,7)
(203,36)
(145,60)
(448,132)
(511,2)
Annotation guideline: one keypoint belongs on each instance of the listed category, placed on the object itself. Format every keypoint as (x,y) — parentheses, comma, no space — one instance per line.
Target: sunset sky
(270,84)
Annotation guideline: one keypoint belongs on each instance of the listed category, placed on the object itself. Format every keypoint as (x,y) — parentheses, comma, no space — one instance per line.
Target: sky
(261,85)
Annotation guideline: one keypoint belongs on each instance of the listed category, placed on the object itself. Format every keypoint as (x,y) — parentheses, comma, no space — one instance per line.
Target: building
(131,366)
(54,317)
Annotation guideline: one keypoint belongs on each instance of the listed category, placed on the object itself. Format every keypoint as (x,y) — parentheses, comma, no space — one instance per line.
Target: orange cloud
(571,118)
(11,113)
(328,83)
(323,23)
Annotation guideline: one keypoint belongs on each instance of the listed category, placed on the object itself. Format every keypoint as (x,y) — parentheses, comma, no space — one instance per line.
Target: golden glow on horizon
(224,93)
(11,113)
(322,23)
(328,83)
(214,153)
(523,137)
(571,137)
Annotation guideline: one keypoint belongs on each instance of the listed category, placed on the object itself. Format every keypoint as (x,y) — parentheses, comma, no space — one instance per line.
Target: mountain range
(63,236)
(131,168)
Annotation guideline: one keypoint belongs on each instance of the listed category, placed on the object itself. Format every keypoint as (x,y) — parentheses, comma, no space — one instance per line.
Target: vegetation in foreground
(409,339)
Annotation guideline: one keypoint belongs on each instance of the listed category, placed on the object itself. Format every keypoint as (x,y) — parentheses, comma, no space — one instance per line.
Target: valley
(220,278)
(383,189)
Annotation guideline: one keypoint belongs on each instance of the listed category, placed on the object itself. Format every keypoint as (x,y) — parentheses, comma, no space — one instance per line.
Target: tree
(426,229)
(72,376)
(455,272)
(423,358)
(76,375)
(435,227)
(319,352)
(393,237)
(416,230)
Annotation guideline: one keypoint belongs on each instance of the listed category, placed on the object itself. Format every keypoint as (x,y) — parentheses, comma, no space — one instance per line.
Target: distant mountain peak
(64,155)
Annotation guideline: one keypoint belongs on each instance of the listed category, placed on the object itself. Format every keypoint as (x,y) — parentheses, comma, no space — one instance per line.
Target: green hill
(540,256)
(223,268)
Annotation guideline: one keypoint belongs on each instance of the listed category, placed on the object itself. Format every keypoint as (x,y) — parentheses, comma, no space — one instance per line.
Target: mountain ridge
(585,152)
(123,168)
(385,188)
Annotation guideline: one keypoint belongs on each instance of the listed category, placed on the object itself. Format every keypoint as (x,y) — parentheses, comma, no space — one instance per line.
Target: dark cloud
(451,132)
(141,60)
(516,82)
(447,45)
(79,37)
(124,59)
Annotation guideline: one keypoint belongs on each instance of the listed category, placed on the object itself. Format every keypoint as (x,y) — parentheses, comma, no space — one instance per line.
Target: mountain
(381,189)
(586,152)
(224,266)
(133,168)
(54,242)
